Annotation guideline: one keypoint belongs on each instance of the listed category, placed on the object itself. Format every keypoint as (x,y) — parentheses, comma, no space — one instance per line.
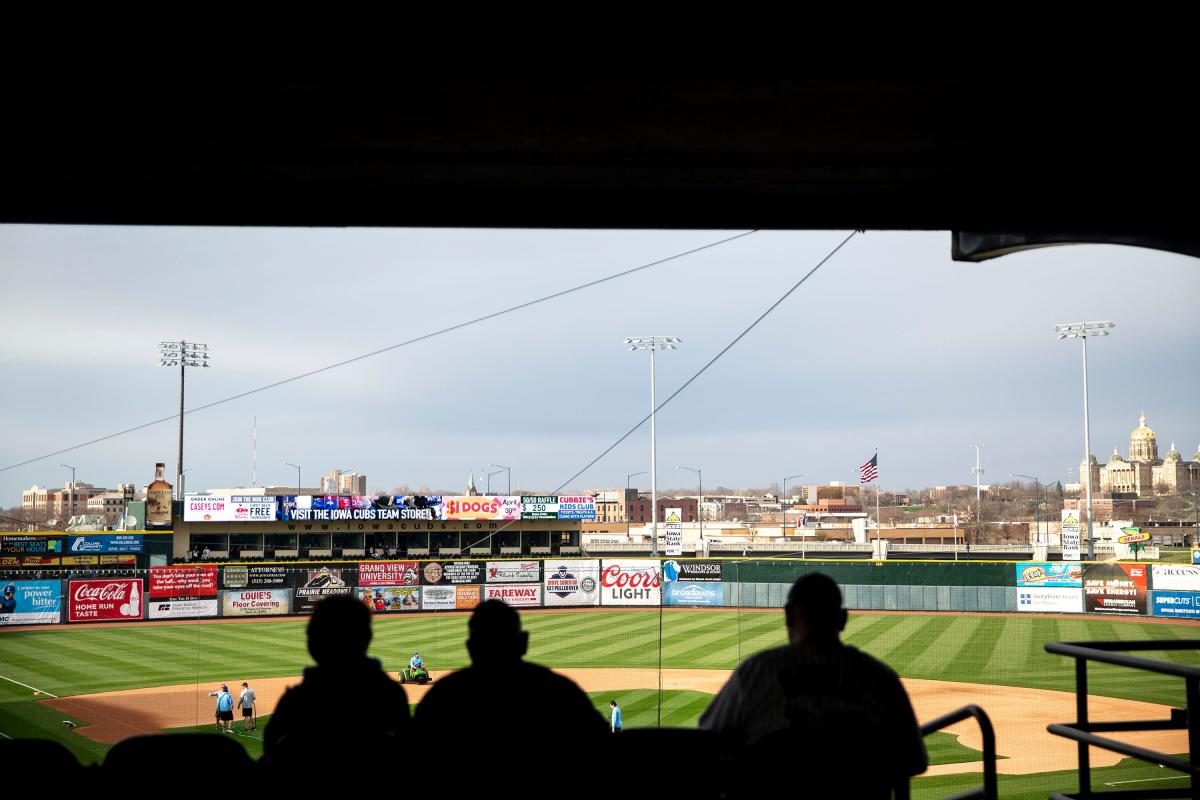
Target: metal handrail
(1084,731)
(1104,652)
(989,789)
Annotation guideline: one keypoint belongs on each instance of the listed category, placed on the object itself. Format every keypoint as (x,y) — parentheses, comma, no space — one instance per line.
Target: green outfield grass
(1004,650)
(1129,774)
(639,709)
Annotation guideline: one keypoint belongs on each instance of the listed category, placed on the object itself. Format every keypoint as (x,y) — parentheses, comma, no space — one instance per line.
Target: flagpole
(878,519)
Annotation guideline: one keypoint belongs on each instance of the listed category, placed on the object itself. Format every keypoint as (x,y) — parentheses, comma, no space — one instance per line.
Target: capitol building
(1143,472)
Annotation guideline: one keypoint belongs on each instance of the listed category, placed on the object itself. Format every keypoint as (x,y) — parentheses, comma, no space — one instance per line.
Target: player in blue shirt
(615,721)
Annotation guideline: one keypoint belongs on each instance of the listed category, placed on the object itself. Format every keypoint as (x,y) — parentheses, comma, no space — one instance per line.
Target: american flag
(869,470)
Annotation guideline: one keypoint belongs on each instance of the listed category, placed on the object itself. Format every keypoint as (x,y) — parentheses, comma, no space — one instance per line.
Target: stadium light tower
(1082,330)
(653,344)
(183,355)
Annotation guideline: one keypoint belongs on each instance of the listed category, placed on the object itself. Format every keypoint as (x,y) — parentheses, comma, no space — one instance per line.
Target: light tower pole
(653,344)
(183,355)
(1082,330)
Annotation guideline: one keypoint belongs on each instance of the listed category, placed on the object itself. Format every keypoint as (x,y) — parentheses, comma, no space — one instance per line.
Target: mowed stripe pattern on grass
(1000,650)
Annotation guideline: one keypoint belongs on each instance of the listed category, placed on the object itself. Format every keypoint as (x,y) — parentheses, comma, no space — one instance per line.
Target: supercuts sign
(630,582)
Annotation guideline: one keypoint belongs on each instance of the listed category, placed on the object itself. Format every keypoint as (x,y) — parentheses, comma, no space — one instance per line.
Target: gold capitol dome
(1141,433)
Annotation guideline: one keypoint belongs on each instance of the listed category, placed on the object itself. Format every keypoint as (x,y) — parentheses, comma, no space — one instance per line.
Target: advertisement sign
(31,603)
(467,597)
(183,582)
(1177,604)
(519,595)
(314,584)
(439,598)
(674,525)
(514,571)
(383,599)
(702,571)
(694,593)
(1133,535)
(243,577)
(1070,535)
(1049,573)
(1180,577)
(539,507)
(119,560)
(481,508)
(434,573)
(1196,555)
(228,508)
(572,583)
(631,582)
(388,573)
(256,602)
(115,600)
(80,561)
(181,609)
(1061,600)
(1115,588)
(580,507)
(31,544)
(31,561)
(333,508)
(109,543)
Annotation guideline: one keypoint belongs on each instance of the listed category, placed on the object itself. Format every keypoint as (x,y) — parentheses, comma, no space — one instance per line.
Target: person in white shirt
(249,711)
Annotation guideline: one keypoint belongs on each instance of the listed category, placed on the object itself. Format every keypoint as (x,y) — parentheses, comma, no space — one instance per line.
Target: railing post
(1193,706)
(1081,714)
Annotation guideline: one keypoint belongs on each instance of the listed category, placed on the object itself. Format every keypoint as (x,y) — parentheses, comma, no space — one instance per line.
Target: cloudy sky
(891,345)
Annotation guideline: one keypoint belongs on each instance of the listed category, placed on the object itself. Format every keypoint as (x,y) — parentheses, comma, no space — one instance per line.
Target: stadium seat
(37,756)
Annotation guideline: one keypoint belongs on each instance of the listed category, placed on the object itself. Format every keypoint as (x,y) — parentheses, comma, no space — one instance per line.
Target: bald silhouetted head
(814,609)
(339,630)
(495,635)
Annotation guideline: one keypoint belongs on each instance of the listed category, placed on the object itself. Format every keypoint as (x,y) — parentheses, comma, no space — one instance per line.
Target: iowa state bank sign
(631,582)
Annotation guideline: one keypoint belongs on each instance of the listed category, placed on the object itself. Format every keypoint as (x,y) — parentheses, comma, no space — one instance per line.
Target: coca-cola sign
(630,582)
(106,600)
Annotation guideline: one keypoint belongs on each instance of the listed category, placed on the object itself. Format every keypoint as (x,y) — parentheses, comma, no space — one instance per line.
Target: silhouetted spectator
(346,706)
(513,695)
(818,700)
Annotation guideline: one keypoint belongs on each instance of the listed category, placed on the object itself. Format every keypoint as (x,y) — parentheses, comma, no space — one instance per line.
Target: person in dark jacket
(508,692)
(346,687)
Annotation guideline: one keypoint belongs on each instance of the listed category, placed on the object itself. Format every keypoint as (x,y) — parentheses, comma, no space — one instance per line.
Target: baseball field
(117,680)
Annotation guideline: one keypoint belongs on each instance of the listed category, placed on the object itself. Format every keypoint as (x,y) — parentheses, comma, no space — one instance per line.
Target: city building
(57,503)
(1107,506)
(1143,473)
(110,506)
(338,482)
(628,505)
(835,490)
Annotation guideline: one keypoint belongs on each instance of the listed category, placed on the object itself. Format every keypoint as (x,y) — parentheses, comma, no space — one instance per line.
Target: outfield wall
(262,589)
